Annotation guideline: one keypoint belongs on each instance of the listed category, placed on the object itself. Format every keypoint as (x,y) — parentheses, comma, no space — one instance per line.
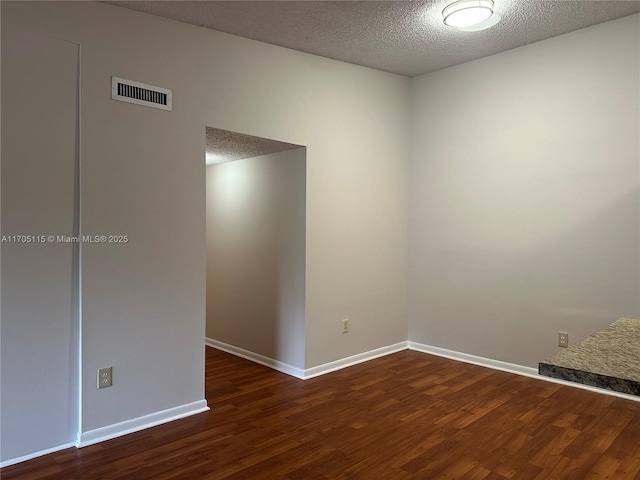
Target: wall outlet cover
(563,339)
(105,377)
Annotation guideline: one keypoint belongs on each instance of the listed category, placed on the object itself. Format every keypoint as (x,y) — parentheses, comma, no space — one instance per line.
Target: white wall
(256,255)
(524,195)
(143,175)
(513,237)
(39,280)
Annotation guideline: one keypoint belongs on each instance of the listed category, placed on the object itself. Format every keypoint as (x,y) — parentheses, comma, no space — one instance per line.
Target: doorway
(256,222)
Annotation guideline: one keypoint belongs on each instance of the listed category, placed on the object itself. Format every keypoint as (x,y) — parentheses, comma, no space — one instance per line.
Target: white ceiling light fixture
(467,13)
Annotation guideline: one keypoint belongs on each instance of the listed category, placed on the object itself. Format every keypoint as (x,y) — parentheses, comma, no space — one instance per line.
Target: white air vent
(140,93)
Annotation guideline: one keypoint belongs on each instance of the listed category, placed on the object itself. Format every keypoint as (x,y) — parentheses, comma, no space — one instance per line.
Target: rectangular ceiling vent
(140,93)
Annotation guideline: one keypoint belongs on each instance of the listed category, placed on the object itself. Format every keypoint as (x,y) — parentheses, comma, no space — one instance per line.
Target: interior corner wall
(256,255)
(525,195)
(143,175)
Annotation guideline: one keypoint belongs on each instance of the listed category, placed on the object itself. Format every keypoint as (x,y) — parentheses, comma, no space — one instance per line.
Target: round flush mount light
(466,13)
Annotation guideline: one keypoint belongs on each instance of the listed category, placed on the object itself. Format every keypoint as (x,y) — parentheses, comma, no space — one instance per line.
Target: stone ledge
(610,358)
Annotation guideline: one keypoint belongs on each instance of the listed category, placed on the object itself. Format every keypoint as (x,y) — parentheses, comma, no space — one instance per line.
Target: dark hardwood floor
(404,416)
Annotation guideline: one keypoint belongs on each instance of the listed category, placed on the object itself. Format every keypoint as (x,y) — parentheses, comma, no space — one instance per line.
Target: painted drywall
(143,175)
(256,255)
(39,273)
(524,195)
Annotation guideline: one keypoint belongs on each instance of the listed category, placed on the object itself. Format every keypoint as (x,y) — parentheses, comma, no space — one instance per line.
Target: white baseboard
(353,360)
(146,421)
(309,372)
(24,458)
(474,359)
(512,368)
(256,358)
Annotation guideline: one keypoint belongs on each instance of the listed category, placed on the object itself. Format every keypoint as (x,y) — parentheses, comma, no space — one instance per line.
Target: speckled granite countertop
(610,358)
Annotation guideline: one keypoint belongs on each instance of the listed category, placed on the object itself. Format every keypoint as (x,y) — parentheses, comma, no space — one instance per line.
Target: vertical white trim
(79,180)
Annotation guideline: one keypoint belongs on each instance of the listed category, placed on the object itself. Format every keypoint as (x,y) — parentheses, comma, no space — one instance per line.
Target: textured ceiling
(224,146)
(404,37)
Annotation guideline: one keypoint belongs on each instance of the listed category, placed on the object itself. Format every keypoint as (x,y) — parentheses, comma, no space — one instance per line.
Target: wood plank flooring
(404,416)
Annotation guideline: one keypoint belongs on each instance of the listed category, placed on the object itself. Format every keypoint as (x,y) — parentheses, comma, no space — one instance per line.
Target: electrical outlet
(563,339)
(104,377)
(345,325)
